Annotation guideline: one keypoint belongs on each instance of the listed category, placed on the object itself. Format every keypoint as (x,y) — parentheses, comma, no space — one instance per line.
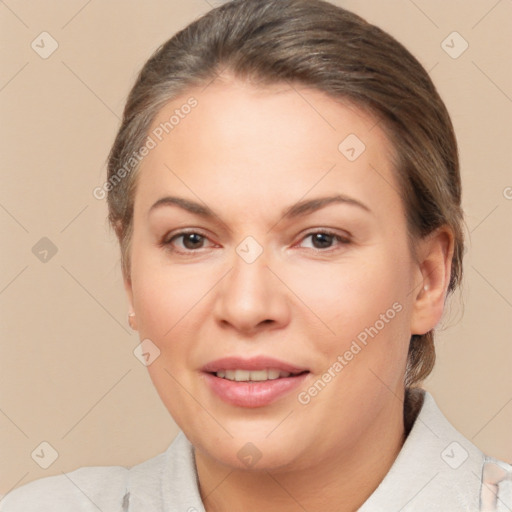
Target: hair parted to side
(322,46)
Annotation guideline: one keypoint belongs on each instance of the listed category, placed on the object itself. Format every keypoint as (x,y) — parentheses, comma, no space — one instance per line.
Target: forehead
(275,142)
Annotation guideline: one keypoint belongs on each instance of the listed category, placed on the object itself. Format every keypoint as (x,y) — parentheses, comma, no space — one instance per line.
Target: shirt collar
(436,469)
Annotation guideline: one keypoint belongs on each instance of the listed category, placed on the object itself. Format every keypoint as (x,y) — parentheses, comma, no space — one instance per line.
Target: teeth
(252,375)
(238,375)
(258,375)
(275,374)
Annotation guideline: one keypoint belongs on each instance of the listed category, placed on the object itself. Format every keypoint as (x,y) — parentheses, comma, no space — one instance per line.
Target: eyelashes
(194,241)
(191,237)
(331,236)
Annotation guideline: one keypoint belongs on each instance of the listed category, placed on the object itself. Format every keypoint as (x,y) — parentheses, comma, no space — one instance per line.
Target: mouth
(254,382)
(240,375)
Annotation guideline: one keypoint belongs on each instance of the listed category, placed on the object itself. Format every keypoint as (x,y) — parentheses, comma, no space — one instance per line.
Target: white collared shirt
(437,469)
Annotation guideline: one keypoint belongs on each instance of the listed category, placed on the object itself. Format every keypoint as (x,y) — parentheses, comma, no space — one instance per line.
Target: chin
(250,451)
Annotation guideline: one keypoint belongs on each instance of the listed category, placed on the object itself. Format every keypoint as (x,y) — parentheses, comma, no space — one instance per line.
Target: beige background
(68,375)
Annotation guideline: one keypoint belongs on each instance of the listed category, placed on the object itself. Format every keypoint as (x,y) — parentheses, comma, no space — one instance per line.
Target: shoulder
(110,488)
(88,488)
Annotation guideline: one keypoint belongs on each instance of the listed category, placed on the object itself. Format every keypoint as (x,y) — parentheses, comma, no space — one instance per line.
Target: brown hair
(317,44)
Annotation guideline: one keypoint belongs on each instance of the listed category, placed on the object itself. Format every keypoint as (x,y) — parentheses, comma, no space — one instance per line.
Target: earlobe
(435,253)
(131,321)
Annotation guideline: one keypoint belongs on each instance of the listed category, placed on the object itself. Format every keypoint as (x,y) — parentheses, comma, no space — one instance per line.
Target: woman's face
(272,275)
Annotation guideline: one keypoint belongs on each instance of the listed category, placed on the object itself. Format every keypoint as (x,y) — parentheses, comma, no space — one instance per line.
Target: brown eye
(322,240)
(192,240)
(186,241)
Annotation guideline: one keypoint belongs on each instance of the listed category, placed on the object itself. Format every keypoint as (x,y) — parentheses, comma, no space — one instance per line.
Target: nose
(251,298)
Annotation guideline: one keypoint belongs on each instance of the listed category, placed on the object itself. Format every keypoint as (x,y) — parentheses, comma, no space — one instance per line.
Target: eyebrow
(312,205)
(300,208)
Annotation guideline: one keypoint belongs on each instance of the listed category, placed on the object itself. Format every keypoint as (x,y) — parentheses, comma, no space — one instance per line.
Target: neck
(341,482)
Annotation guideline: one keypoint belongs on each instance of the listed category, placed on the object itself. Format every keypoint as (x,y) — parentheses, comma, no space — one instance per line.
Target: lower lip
(253,394)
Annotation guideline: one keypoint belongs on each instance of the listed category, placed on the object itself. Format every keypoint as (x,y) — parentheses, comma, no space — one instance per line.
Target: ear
(434,257)
(132,320)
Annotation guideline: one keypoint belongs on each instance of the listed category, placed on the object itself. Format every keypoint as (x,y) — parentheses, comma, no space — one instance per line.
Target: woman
(286,193)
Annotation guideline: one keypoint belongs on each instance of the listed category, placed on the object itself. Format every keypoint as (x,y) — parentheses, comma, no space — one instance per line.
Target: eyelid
(343,239)
(184,231)
(167,239)
(328,231)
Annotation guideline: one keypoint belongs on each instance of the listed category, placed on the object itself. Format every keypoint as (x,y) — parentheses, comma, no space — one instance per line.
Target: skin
(247,153)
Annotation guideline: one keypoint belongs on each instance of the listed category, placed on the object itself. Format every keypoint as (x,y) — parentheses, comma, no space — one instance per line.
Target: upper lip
(253,363)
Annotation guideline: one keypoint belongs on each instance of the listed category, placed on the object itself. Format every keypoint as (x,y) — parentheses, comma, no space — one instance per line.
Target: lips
(254,382)
(252,364)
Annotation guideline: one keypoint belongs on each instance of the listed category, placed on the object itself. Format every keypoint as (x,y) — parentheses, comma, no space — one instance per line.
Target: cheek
(162,293)
(363,304)
(169,311)
(173,304)
(350,294)
(164,300)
